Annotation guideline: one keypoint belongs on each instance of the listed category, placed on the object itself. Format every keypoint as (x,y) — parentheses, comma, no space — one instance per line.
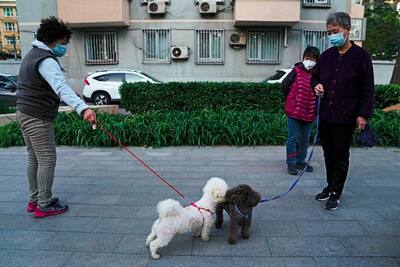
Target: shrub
(173,128)
(386,95)
(194,96)
(6,109)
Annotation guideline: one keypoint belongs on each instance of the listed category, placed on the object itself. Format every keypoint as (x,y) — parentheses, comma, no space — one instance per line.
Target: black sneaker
(333,201)
(301,166)
(292,169)
(324,195)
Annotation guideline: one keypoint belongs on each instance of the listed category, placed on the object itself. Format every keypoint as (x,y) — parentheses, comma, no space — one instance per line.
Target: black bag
(367,137)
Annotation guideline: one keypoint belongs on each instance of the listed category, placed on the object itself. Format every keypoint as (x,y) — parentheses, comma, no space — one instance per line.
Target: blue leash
(281,195)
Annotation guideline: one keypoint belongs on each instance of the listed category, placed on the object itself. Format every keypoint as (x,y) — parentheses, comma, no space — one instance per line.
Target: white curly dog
(175,219)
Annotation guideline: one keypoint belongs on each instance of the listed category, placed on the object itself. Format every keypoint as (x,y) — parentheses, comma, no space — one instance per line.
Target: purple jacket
(348,82)
(300,100)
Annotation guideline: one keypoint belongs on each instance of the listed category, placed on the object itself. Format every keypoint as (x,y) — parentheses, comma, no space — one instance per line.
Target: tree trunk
(396,70)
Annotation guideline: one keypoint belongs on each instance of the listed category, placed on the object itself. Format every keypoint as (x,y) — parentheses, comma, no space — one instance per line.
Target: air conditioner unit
(156,7)
(237,39)
(207,7)
(179,52)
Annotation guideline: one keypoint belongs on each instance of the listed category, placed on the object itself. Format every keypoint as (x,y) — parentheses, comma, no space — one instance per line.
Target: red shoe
(31,206)
(55,208)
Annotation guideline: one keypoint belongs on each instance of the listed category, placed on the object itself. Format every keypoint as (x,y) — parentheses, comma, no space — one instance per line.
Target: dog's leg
(220,216)
(245,232)
(232,231)
(159,242)
(150,238)
(205,231)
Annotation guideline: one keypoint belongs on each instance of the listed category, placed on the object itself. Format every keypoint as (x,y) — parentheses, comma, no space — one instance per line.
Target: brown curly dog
(239,204)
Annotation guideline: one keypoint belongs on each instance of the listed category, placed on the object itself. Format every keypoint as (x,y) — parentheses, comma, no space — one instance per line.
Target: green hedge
(239,96)
(387,95)
(6,109)
(193,96)
(204,127)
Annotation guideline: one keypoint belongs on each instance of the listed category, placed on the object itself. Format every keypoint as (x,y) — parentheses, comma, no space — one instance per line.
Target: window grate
(318,39)
(317,3)
(156,46)
(209,47)
(101,48)
(263,46)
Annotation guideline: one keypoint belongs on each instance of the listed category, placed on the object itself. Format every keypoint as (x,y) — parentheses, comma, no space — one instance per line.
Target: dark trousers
(336,140)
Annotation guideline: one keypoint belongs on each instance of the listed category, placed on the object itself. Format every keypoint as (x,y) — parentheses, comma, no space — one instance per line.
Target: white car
(102,87)
(278,76)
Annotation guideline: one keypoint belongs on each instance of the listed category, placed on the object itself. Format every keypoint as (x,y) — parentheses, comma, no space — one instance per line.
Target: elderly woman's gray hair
(339,18)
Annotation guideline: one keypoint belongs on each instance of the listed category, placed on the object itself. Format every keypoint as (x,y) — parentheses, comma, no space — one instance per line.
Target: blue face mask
(59,50)
(337,39)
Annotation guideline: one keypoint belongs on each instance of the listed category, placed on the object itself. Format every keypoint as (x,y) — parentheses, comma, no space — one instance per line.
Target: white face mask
(309,64)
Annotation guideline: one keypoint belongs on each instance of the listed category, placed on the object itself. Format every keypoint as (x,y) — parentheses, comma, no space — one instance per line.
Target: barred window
(209,46)
(156,46)
(101,48)
(10,26)
(316,3)
(263,46)
(318,39)
(357,32)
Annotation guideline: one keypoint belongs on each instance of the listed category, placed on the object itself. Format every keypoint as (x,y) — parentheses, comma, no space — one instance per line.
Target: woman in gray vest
(41,85)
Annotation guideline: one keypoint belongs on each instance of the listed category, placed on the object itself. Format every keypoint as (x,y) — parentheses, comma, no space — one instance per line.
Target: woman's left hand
(361,122)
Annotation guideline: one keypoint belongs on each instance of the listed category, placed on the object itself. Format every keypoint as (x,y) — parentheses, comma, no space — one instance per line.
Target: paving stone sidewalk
(112,207)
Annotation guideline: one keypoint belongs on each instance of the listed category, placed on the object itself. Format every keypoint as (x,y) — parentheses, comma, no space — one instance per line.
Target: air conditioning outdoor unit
(179,52)
(237,39)
(207,7)
(156,7)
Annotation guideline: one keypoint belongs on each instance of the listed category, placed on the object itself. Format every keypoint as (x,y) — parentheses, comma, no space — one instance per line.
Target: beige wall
(265,12)
(103,13)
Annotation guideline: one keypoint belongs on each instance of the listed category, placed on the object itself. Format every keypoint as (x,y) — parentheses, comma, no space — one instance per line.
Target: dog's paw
(231,241)
(205,238)
(245,235)
(155,256)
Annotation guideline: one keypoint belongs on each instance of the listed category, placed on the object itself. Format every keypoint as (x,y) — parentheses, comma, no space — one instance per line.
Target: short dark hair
(339,18)
(311,51)
(52,29)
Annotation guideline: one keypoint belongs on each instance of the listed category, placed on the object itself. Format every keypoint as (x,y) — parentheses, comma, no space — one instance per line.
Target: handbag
(367,137)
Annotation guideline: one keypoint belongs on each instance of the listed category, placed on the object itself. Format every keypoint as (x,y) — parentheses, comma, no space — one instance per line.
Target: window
(357,30)
(156,46)
(111,77)
(101,48)
(318,39)
(357,2)
(10,26)
(209,46)
(263,46)
(131,78)
(316,3)
(10,40)
(8,12)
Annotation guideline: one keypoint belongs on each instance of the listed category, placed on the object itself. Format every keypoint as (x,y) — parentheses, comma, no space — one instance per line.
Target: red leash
(149,168)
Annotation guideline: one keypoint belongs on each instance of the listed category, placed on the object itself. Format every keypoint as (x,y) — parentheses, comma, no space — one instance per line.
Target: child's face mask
(309,64)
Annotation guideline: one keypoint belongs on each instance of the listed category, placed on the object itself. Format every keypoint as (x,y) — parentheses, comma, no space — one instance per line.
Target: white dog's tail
(169,207)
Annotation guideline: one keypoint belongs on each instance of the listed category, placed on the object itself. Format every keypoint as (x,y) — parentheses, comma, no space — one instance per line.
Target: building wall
(183,18)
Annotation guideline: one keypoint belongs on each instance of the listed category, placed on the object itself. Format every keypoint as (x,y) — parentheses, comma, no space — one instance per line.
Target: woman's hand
(361,122)
(89,116)
(319,89)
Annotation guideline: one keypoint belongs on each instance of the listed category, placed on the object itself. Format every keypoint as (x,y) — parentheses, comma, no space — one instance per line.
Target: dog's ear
(253,198)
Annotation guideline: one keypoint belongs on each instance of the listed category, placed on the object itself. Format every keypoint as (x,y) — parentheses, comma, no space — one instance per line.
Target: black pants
(336,140)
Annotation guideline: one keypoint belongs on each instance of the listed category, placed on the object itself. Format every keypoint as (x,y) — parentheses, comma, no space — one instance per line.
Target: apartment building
(9,33)
(216,40)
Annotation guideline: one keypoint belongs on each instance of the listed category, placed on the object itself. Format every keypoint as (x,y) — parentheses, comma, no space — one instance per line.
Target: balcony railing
(317,3)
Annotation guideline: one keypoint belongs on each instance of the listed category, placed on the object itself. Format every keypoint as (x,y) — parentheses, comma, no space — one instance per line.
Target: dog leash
(124,146)
(281,195)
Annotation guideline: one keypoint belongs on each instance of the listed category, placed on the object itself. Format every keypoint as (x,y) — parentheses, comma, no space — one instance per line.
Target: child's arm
(287,82)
